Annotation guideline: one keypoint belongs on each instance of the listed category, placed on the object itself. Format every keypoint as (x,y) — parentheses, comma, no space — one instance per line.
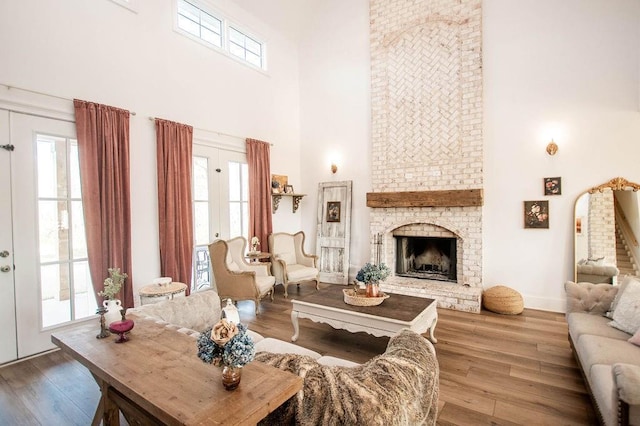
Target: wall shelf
(296,198)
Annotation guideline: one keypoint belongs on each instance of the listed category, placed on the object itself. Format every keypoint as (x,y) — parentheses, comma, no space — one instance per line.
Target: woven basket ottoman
(503,300)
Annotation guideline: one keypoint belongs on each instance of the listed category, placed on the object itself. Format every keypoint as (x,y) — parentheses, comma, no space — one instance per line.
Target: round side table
(155,293)
(256,257)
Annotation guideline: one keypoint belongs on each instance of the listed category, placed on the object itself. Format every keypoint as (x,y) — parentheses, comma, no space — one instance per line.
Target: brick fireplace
(426,72)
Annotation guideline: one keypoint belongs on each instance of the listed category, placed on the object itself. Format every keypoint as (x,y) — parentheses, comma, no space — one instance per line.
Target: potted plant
(112,286)
(371,275)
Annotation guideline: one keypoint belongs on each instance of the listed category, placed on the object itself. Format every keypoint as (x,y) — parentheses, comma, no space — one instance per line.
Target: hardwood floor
(494,369)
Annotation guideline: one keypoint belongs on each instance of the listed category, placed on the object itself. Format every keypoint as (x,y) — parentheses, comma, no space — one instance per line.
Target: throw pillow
(626,316)
(621,287)
(635,339)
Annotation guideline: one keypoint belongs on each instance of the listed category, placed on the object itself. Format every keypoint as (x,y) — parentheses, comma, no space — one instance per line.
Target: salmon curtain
(174,144)
(103,150)
(260,220)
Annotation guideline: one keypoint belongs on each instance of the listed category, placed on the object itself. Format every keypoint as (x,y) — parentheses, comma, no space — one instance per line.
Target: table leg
(432,328)
(107,412)
(296,327)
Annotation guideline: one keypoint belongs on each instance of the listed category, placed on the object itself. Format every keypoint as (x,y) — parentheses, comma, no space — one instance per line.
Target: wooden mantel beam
(443,198)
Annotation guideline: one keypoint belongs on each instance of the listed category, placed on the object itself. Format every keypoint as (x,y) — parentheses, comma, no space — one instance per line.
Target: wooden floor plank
(494,369)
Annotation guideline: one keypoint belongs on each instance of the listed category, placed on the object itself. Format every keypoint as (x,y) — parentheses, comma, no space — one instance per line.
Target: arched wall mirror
(607,228)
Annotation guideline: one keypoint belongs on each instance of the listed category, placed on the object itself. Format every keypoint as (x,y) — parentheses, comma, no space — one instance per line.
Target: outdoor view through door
(220,204)
(66,290)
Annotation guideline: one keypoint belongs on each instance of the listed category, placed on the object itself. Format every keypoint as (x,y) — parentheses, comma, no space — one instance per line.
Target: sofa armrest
(627,380)
(591,298)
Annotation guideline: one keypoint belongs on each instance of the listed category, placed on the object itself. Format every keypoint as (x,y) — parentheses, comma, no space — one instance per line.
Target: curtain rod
(210,131)
(10,86)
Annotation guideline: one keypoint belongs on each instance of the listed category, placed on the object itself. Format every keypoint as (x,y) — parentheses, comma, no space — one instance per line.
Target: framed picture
(536,214)
(278,182)
(333,211)
(553,186)
(288,189)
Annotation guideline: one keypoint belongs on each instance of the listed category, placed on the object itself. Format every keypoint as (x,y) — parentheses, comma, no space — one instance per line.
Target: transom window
(199,23)
(212,29)
(245,47)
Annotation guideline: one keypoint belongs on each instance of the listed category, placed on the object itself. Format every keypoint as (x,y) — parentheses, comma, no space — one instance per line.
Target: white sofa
(609,362)
(193,314)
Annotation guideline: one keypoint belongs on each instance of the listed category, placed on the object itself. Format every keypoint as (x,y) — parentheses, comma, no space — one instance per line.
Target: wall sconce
(334,168)
(552,148)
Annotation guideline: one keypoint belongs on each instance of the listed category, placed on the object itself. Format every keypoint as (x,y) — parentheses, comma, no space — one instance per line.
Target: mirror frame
(615,184)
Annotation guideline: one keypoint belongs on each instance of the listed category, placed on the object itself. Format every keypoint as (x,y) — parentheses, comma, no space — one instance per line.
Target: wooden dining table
(156,377)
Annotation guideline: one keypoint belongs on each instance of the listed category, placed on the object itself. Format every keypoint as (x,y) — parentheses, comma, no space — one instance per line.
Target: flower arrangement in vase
(112,286)
(255,244)
(229,345)
(371,275)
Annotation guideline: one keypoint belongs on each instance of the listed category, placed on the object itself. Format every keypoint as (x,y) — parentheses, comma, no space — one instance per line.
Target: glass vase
(231,377)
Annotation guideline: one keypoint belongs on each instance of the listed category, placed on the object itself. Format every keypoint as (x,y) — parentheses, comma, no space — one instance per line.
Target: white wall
(102,52)
(567,70)
(335,112)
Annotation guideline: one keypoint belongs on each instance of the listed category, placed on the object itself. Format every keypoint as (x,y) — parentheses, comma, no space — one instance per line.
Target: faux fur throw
(399,387)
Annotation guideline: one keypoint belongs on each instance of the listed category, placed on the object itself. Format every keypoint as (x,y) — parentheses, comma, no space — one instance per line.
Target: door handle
(4,253)
(5,268)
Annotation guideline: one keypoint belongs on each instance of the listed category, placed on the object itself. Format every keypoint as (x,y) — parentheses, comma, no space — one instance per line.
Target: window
(66,289)
(199,23)
(202,265)
(238,199)
(211,29)
(244,47)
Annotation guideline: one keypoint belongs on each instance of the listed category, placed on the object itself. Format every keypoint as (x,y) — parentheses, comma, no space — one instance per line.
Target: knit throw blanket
(399,387)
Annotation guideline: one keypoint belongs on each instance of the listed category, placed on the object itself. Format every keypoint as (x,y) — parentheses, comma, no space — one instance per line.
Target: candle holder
(103,327)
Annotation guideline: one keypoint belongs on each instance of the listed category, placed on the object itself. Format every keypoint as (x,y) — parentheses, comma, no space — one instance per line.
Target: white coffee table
(395,313)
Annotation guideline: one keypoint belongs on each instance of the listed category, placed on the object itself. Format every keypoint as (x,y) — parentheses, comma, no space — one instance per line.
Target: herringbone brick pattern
(426,110)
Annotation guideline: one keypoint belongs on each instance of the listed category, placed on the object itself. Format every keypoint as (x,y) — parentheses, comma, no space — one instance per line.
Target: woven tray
(357,299)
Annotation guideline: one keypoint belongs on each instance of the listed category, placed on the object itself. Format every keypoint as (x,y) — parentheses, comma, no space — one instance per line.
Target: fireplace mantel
(443,198)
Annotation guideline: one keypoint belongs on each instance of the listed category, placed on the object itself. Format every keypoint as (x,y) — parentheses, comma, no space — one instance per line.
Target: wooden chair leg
(286,295)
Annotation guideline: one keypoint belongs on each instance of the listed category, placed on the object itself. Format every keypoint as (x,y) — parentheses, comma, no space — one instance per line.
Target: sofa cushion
(583,323)
(603,350)
(399,387)
(587,297)
(603,387)
(626,315)
(281,347)
(198,311)
(301,273)
(635,339)
(628,382)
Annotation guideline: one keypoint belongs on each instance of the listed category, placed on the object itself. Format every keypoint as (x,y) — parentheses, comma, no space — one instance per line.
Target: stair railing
(627,234)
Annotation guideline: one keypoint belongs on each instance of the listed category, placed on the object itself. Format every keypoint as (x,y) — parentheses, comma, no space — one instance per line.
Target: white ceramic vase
(113,314)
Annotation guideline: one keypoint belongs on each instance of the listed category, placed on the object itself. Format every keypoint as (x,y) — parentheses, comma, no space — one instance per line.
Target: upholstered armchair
(235,277)
(290,264)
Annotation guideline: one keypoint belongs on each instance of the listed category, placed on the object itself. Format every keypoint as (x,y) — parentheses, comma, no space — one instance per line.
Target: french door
(8,339)
(48,286)
(220,203)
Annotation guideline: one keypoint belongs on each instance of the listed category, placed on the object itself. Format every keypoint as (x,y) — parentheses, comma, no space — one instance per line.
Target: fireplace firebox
(429,258)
